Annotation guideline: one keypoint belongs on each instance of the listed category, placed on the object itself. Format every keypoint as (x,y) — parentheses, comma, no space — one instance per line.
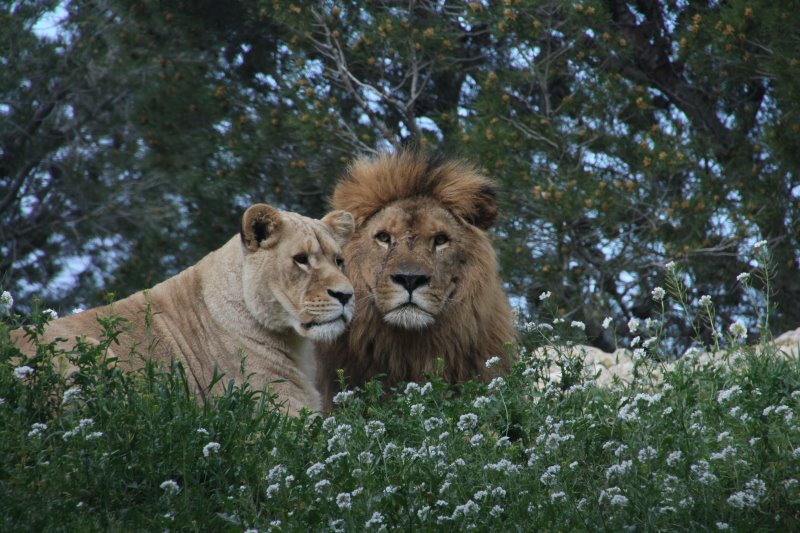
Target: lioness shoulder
(424,272)
(266,294)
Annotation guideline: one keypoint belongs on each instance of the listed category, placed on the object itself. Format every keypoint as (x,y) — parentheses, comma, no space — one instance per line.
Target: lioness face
(411,257)
(293,271)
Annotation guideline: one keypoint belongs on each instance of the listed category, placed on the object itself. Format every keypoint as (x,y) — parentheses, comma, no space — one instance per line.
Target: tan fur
(419,240)
(252,297)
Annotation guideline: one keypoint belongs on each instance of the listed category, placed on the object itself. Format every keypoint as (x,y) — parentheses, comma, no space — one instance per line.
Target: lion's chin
(409,316)
(325,331)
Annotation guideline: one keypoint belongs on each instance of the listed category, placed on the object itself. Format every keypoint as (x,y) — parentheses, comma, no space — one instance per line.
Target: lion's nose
(411,281)
(343,297)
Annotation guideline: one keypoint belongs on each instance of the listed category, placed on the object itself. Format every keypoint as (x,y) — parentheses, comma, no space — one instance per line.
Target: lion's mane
(475,326)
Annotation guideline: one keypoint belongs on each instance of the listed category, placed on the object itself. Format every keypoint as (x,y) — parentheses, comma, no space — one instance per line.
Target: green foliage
(623,135)
(701,444)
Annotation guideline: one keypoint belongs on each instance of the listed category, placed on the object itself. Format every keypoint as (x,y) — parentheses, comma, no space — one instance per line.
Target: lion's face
(411,257)
(293,271)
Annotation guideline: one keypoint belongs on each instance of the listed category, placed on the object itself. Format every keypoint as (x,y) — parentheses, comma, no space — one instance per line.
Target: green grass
(709,444)
(706,446)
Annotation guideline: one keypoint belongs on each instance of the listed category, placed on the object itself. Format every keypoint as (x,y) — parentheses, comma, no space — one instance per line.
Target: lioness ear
(342,225)
(260,222)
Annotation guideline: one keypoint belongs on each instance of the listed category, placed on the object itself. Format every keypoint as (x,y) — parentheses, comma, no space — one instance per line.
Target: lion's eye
(440,239)
(384,237)
(340,262)
(301,259)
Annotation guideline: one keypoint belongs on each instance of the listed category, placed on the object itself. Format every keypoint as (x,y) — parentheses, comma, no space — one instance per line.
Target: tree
(624,135)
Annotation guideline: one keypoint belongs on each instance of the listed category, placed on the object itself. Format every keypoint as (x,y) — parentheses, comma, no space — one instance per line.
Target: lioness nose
(411,281)
(343,297)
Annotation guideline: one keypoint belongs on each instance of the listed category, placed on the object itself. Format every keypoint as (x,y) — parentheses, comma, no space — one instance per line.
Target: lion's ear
(259,223)
(485,207)
(341,224)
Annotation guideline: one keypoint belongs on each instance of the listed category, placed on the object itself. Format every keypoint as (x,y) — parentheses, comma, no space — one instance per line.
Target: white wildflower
(375,428)
(499,492)
(744,277)
(742,499)
(470,507)
(635,341)
(341,397)
(496,383)
(670,266)
(467,422)
(50,314)
(560,495)
(705,300)
(607,321)
(738,330)
(423,512)
(344,500)
(674,457)
(37,429)
(170,486)
(273,489)
(722,526)
(365,457)
(648,342)
(315,469)
(701,470)
(759,245)
(71,393)
(614,496)
(618,469)
(496,511)
(432,423)
(329,423)
(411,388)
(725,453)
(476,439)
(375,520)
(726,394)
(320,485)
(202,431)
(503,442)
(633,324)
(23,372)
(417,409)
(276,472)
(578,324)
(492,361)
(6,302)
(544,296)
(658,294)
(503,465)
(211,447)
(549,477)
(94,435)
(646,454)
(480,402)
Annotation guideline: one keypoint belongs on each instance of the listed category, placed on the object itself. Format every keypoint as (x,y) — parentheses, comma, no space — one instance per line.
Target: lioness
(424,271)
(267,294)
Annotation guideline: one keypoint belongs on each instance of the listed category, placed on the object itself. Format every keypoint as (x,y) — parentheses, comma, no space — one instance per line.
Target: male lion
(267,294)
(424,272)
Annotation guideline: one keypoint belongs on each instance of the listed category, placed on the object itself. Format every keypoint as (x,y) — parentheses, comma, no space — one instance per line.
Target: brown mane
(372,184)
(476,325)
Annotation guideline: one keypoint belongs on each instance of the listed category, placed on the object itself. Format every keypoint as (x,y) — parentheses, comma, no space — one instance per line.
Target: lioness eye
(440,239)
(382,236)
(340,262)
(301,259)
